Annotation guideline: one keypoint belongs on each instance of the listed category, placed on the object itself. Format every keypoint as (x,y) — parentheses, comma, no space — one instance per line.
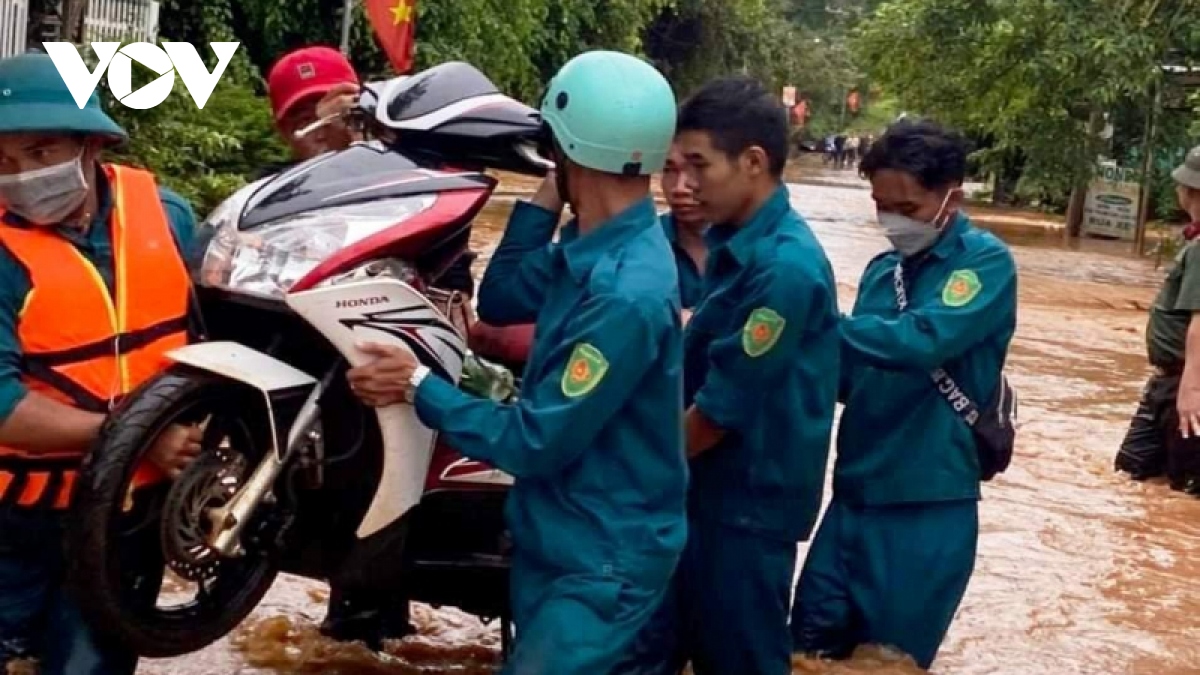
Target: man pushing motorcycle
(595,442)
(93,292)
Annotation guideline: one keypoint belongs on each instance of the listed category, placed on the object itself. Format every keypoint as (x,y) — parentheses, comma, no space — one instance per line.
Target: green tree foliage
(696,40)
(519,44)
(1031,76)
(829,17)
(206,154)
(574,26)
(781,42)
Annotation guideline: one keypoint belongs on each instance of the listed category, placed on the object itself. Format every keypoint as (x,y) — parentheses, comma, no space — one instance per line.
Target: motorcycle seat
(508,345)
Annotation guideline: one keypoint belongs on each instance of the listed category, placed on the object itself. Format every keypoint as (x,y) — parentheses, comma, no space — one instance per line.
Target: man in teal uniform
(685,225)
(892,558)
(49,157)
(761,377)
(595,442)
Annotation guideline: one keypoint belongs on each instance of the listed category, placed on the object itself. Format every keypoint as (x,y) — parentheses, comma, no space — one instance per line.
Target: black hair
(934,155)
(739,113)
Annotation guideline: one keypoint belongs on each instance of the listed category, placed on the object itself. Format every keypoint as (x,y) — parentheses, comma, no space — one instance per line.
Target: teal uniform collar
(671,227)
(739,242)
(581,253)
(947,244)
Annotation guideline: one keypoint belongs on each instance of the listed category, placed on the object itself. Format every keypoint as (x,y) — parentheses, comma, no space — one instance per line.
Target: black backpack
(994,425)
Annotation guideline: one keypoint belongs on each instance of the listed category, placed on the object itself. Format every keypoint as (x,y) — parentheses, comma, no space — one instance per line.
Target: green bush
(204,154)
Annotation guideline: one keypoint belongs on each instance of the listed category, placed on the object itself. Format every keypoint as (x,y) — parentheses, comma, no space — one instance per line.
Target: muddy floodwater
(1079,571)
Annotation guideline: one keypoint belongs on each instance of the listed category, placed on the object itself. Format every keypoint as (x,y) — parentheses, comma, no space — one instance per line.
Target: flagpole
(347,19)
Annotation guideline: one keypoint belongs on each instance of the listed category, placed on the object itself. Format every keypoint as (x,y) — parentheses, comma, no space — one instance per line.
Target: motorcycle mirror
(368,97)
(531,153)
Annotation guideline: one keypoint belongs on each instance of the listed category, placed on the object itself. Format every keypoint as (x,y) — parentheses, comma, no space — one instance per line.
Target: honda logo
(361,302)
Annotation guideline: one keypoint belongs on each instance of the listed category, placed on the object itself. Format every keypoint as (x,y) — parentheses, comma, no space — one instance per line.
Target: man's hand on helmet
(547,195)
(340,99)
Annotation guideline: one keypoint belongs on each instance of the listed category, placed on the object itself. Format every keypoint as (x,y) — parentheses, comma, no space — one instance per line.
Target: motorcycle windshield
(434,92)
(354,174)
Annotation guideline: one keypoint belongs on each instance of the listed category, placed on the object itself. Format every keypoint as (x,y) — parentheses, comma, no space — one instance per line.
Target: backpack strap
(958,400)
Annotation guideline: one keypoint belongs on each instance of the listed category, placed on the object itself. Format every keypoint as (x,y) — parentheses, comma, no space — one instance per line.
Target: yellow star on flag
(401,13)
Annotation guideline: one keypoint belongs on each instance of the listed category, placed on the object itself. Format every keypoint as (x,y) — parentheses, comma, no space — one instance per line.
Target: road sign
(1113,199)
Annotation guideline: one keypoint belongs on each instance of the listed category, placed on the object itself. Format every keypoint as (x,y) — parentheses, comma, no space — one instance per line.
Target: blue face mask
(910,236)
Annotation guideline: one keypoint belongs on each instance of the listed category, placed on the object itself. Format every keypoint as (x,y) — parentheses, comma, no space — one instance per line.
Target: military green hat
(1188,173)
(34,99)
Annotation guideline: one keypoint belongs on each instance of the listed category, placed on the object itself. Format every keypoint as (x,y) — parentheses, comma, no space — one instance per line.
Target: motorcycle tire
(94,546)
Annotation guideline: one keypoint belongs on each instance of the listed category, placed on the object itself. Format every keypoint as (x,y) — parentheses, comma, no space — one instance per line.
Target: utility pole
(347,19)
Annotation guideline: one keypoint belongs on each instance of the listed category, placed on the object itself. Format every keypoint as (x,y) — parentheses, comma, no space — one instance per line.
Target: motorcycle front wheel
(120,540)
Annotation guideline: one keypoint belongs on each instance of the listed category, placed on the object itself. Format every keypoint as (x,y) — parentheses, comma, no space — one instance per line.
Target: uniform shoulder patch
(961,288)
(585,369)
(762,331)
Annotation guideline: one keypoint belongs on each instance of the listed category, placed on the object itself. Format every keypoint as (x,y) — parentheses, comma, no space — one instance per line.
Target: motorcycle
(296,475)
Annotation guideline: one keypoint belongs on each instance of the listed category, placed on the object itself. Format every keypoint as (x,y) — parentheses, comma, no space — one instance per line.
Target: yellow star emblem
(401,13)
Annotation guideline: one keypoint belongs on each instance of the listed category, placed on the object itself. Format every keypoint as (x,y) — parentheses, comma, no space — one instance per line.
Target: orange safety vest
(80,345)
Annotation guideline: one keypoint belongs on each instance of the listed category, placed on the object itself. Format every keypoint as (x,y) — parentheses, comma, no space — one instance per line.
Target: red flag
(394,22)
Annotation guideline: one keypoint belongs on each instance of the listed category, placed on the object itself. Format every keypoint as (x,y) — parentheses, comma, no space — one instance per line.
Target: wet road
(1079,571)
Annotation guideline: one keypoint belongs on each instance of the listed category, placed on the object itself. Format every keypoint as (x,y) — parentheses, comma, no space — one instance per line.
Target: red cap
(306,72)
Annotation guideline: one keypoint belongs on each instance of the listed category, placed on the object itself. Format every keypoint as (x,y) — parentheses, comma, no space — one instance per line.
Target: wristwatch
(418,376)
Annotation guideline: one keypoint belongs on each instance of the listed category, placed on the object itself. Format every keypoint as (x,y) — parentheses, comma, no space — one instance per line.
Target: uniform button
(607,569)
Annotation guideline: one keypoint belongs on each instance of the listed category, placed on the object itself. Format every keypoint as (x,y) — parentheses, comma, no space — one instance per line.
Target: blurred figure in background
(685,226)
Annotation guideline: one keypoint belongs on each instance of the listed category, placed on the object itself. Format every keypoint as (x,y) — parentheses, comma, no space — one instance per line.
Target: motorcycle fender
(390,312)
(240,363)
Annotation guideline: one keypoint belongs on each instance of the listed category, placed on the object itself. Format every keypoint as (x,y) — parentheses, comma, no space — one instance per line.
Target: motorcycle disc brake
(207,484)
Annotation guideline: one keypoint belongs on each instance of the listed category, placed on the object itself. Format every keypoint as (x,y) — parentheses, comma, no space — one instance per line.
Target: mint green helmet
(611,112)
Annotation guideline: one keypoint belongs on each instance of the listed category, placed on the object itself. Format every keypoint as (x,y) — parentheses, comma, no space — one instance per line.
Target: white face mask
(45,196)
(910,236)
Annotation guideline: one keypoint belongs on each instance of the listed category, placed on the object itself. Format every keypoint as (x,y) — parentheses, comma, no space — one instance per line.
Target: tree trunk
(1007,177)
(1146,193)
(1079,193)
(1075,211)
(73,12)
